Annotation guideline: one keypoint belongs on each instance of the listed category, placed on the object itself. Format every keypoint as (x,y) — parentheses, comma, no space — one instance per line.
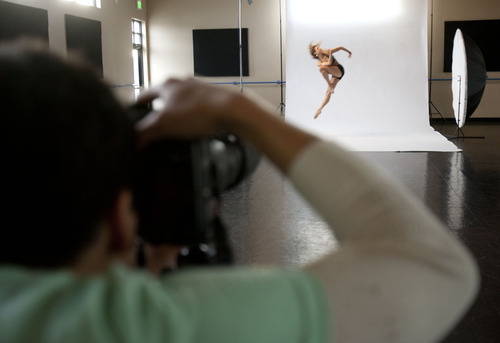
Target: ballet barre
(278,82)
(488,79)
(128,85)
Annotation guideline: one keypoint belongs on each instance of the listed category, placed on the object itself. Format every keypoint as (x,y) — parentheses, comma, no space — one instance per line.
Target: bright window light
(92,3)
(342,11)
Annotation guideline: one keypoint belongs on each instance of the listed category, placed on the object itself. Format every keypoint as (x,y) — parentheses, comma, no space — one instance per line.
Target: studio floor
(463,189)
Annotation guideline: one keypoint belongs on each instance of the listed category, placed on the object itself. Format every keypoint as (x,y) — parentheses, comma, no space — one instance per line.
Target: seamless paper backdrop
(384,90)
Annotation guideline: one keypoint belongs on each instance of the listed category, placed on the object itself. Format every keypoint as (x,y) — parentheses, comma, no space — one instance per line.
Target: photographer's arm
(398,275)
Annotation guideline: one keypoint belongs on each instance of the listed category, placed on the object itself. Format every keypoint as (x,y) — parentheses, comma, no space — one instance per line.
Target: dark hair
(67,150)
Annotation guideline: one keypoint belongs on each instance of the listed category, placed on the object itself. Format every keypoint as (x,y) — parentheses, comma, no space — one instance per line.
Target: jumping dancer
(330,68)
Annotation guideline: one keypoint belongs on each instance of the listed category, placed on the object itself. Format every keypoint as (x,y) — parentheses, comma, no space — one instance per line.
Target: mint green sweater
(206,305)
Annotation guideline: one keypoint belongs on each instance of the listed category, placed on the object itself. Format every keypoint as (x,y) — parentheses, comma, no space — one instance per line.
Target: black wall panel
(85,36)
(23,21)
(485,33)
(216,52)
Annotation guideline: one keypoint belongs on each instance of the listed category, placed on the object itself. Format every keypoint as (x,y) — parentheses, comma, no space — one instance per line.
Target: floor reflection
(451,202)
(270,224)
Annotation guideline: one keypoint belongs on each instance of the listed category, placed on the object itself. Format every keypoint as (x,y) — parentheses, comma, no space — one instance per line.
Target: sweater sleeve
(399,275)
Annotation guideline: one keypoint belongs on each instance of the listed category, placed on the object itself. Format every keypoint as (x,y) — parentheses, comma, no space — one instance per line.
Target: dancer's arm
(398,275)
(332,51)
(329,62)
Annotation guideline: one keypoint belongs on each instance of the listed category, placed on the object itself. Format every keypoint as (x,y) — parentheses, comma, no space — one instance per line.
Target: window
(138,55)
(92,3)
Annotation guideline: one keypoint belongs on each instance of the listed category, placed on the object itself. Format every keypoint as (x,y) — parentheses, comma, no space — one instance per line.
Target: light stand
(460,121)
(240,45)
(281,106)
(460,108)
(431,105)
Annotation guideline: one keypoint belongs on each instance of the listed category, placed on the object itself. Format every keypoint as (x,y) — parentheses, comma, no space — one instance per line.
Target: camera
(177,189)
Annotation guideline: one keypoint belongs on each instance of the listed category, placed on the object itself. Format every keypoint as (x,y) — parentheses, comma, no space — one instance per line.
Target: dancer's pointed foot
(317,114)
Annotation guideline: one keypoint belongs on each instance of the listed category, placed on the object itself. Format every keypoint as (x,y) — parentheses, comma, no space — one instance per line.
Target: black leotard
(339,66)
(341,70)
(333,60)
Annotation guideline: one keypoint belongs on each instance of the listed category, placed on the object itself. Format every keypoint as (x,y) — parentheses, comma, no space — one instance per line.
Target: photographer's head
(67,157)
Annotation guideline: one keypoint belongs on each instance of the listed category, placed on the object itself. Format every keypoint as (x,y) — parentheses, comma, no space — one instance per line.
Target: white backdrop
(382,101)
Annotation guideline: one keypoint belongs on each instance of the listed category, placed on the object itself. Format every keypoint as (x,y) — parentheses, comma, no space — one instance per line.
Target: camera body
(178,184)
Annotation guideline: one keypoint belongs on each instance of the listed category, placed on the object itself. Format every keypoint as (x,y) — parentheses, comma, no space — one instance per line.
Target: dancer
(328,66)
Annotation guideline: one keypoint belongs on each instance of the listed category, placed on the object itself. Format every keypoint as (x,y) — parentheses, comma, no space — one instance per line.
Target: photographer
(68,228)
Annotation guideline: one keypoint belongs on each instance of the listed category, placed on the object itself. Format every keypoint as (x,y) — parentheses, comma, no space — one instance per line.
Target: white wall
(455,10)
(115,17)
(171,45)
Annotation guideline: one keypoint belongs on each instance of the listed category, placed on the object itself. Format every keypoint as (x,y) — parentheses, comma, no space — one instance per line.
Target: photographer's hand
(189,110)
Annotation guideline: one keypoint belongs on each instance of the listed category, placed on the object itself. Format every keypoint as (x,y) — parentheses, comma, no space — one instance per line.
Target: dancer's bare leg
(327,99)
(332,83)
(326,76)
(332,71)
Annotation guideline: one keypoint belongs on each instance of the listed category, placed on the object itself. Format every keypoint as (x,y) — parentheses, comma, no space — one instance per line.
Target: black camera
(177,190)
